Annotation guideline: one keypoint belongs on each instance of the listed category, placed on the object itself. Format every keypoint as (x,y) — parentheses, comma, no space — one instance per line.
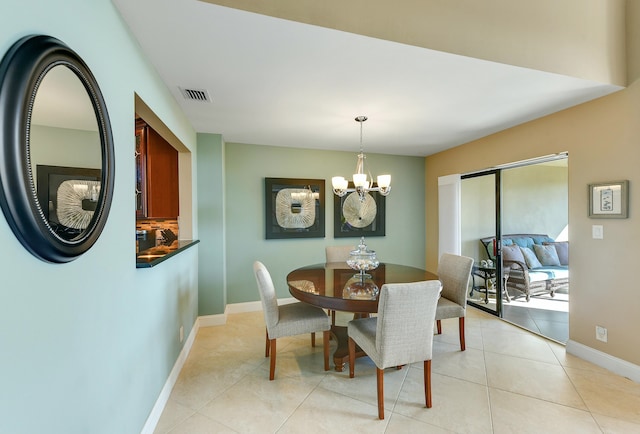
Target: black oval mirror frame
(21,72)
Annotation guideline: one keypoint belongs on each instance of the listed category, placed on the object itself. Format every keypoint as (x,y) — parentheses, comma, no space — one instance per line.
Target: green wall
(212,297)
(64,147)
(246,168)
(88,346)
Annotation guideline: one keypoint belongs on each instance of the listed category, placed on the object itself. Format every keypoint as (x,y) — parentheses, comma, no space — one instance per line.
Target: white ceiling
(283,83)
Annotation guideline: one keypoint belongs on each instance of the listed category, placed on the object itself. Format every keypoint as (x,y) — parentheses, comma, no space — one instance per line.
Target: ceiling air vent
(195,94)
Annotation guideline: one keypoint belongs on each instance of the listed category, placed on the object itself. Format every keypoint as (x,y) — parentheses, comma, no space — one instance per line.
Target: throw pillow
(523,241)
(547,254)
(512,253)
(541,239)
(530,258)
(562,248)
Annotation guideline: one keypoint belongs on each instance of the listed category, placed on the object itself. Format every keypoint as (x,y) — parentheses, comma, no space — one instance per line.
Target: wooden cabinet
(157,194)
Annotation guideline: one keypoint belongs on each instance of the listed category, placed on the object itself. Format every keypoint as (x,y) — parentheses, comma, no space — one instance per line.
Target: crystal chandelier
(361,183)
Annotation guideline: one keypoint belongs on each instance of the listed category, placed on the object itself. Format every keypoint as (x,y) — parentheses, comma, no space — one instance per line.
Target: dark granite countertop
(155,255)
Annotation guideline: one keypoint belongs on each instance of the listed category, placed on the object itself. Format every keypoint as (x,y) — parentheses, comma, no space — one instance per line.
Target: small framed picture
(294,208)
(609,200)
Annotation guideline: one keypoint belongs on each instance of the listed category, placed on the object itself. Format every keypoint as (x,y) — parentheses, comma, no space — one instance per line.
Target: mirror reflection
(65,153)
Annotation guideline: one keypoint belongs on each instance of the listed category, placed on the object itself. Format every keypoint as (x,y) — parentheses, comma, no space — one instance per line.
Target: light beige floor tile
(514,413)
(199,424)
(608,394)
(324,411)
(296,358)
(173,414)
(212,367)
(472,312)
(525,345)
(234,340)
(268,403)
(532,378)
(247,318)
(458,405)
(399,424)
(464,365)
(611,425)
(224,386)
(198,384)
(364,384)
(450,334)
(492,322)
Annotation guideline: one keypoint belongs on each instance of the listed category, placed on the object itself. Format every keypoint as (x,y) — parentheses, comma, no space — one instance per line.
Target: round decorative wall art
(359,213)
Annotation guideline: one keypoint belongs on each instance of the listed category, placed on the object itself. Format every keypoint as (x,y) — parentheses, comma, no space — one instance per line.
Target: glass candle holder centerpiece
(363,259)
(360,287)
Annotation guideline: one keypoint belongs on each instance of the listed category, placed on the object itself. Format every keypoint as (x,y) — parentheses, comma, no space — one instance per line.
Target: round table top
(335,286)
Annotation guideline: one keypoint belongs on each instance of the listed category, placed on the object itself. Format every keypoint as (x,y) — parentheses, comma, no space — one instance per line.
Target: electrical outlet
(181,334)
(601,333)
(597,232)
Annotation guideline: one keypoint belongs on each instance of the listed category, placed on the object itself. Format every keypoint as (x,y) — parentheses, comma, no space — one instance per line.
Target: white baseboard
(202,321)
(604,360)
(161,402)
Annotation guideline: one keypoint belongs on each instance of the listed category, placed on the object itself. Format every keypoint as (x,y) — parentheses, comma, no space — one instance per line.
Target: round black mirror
(56,149)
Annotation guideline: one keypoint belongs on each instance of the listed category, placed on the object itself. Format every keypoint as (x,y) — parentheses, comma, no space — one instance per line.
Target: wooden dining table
(335,286)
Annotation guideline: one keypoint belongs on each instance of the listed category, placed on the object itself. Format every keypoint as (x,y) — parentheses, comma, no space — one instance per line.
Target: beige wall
(633,40)
(602,139)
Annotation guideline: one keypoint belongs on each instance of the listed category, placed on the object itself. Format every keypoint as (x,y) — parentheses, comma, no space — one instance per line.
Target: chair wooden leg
(313,339)
(352,357)
(380,381)
(461,327)
(266,350)
(333,317)
(325,348)
(272,364)
(439,326)
(427,382)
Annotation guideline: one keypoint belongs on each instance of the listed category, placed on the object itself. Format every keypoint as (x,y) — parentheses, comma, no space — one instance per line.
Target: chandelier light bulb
(359,179)
(384,181)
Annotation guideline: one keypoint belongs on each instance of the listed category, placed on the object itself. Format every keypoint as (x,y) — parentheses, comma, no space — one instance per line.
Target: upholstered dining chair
(402,333)
(337,254)
(454,271)
(289,319)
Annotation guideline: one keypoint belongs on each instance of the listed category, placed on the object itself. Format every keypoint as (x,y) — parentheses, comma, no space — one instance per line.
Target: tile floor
(507,381)
(543,314)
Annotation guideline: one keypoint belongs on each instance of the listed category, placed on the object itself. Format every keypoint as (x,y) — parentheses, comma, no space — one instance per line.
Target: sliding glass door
(480,227)
(497,206)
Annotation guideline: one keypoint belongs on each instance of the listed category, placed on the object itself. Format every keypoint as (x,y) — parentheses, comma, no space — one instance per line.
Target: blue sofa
(532,263)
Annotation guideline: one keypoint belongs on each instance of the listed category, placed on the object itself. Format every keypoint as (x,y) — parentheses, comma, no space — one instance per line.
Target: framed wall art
(354,217)
(294,208)
(609,200)
(68,197)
